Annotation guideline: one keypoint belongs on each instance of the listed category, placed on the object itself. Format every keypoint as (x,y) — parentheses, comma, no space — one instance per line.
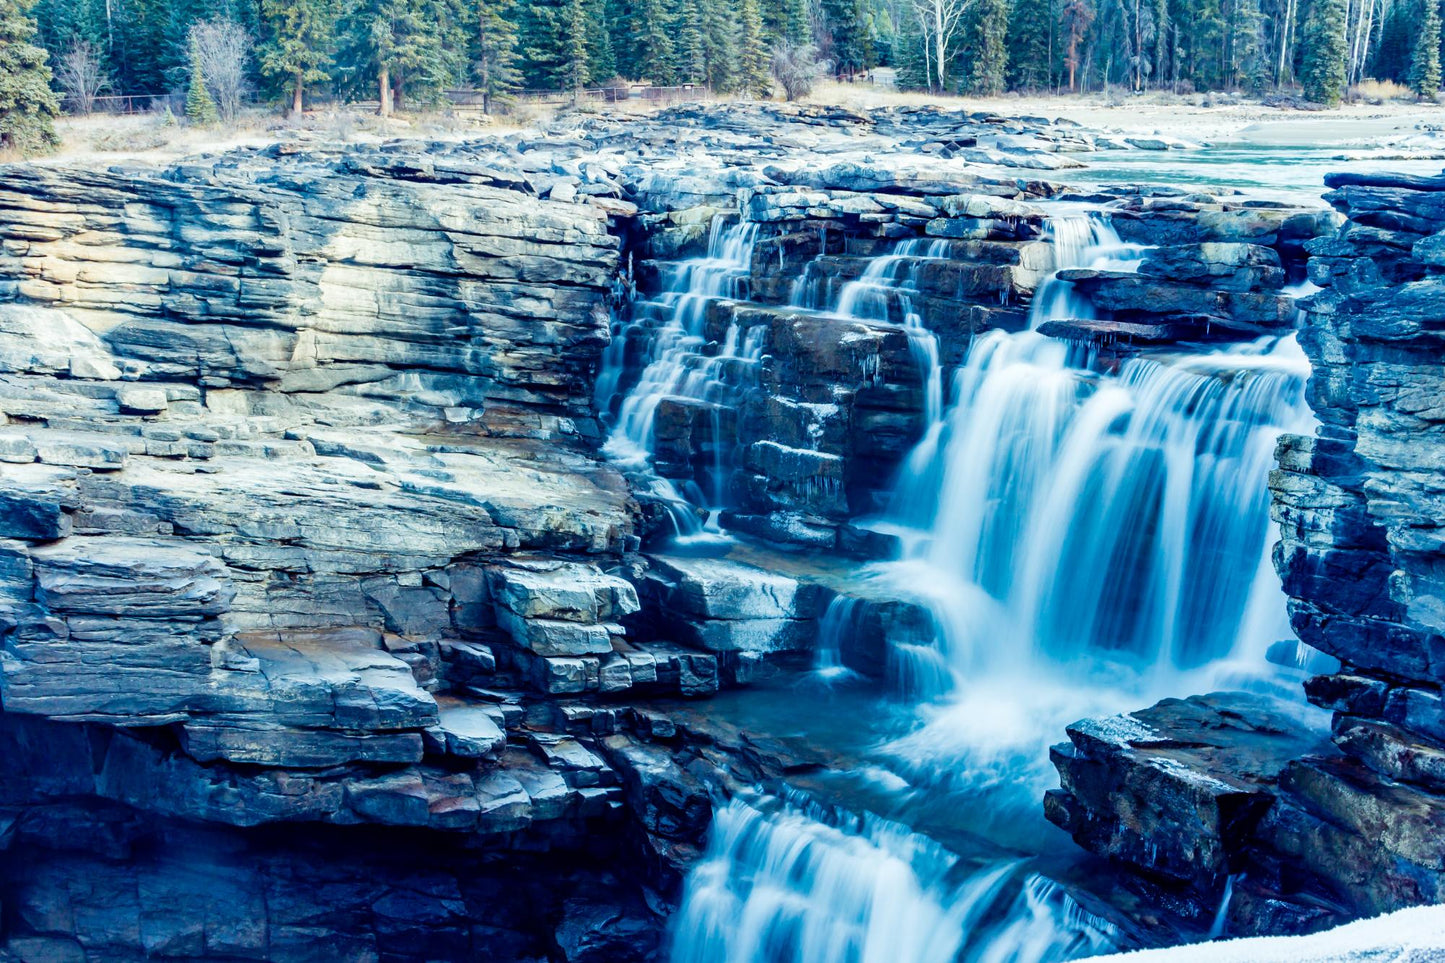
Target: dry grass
(1381,92)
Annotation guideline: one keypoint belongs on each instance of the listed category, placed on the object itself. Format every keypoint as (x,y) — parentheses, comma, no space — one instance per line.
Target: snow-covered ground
(1415,935)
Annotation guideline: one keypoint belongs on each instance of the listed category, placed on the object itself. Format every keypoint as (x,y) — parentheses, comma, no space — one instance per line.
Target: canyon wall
(324,618)
(300,500)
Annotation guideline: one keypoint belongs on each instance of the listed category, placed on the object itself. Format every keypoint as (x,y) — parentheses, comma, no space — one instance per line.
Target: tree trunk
(938,42)
(383,84)
(298,96)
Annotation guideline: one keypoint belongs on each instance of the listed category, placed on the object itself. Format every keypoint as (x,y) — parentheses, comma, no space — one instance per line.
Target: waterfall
(1066,513)
(791,882)
(1079,241)
(1088,537)
(838,622)
(683,364)
(1124,513)
(1088,540)
(885,293)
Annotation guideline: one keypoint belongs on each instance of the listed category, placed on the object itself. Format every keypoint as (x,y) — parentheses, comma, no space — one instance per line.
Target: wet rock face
(1178,792)
(1360,554)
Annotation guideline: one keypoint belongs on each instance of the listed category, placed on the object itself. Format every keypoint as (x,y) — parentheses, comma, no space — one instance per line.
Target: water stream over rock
(672,329)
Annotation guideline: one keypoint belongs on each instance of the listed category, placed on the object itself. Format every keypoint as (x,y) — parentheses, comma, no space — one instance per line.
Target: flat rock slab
(715,588)
(468,731)
(322,680)
(1177,789)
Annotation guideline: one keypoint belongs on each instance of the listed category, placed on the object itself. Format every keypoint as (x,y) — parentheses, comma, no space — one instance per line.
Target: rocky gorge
(609,543)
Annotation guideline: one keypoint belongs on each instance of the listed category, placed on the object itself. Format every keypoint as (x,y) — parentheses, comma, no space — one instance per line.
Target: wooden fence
(644,93)
(459,97)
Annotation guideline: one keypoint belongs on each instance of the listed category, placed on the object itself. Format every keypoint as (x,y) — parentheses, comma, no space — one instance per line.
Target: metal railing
(122,104)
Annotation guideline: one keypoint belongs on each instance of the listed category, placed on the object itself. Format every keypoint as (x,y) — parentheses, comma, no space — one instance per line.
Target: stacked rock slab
(1360,507)
(297,491)
(1297,831)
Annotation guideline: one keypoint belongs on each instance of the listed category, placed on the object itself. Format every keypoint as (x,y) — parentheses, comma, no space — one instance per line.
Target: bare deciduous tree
(224,48)
(796,69)
(940,22)
(81,76)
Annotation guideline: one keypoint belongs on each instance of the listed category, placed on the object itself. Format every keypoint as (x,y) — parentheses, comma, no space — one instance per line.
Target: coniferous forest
(407,53)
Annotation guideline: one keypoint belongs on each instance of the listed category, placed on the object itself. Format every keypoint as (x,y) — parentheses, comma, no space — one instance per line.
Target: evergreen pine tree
(883,33)
(200,106)
(1323,69)
(754,59)
(847,45)
(1395,50)
(415,47)
(719,43)
(601,55)
(28,107)
(690,63)
(577,65)
(911,59)
(1162,29)
(1029,67)
(495,66)
(541,43)
(64,23)
(619,35)
(653,39)
(797,28)
(990,55)
(301,45)
(1425,64)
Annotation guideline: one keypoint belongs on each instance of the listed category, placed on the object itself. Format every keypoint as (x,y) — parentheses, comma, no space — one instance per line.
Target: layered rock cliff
(327,624)
(288,441)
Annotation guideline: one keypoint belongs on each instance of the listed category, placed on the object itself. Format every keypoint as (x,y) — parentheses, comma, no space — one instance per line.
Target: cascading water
(884,293)
(1085,537)
(1079,241)
(683,364)
(1122,514)
(787,882)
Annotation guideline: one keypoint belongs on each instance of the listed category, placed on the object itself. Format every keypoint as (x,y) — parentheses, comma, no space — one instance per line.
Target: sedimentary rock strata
(309,550)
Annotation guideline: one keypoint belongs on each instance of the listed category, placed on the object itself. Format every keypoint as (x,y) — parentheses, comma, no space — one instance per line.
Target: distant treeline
(407,52)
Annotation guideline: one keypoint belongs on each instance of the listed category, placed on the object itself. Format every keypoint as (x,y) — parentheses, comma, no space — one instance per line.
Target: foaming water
(790,882)
(684,365)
